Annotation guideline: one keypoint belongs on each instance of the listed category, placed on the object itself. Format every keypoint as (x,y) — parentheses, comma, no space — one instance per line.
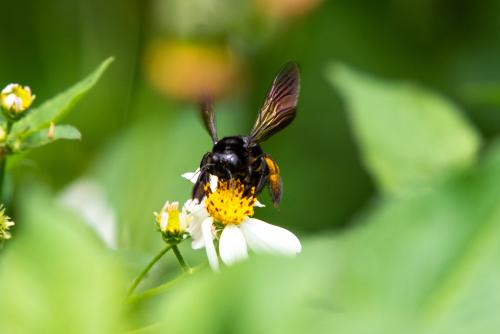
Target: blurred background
(140,124)
(144,114)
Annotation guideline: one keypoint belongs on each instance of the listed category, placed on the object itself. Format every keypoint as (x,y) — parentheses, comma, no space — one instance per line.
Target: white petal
(9,88)
(192,176)
(196,210)
(88,199)
(266,238)
(10,100)
(232,245)
(206,229)
(18,104)
(201,214)
(259,204)
(194,229)
(213,182)
(198,244)
(183,221)
(163,221)
(190,205)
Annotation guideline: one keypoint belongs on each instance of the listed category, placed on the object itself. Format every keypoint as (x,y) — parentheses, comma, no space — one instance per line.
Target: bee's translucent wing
(208,115)
(280,104)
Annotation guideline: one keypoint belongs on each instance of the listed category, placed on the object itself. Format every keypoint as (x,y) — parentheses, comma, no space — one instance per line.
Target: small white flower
(225,214)
(173,222)
(15,98)
(5,224)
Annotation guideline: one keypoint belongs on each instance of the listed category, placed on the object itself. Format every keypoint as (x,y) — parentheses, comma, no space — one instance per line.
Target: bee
(241,157)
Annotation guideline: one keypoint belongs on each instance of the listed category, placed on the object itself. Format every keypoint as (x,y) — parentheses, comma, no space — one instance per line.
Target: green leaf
(57,107)
(43,137)
(428,263)
(56,277)
(407,134)
(423,263)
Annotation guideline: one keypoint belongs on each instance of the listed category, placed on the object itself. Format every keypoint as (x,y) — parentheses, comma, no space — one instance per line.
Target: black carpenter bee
(241,157)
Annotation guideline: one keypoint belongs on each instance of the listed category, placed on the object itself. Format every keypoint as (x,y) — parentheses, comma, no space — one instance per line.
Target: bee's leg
(230,177)
(199,187)
(273,179)
(262,174)
(254,178)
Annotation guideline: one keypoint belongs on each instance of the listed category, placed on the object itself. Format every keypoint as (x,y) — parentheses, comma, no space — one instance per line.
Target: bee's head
(229,156)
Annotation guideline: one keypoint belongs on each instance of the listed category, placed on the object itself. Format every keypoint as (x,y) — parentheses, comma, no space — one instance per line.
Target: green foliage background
(391,169)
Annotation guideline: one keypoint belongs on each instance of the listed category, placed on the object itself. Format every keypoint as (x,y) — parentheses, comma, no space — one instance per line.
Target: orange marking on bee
(273,167)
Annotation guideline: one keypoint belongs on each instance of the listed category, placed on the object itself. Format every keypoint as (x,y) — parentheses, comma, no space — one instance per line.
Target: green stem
(147,269)
(179,257)
(156,290)
(162,288)
(3,161)
(3,164)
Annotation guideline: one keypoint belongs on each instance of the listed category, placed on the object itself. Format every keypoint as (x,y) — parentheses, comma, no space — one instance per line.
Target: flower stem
(3,161)
(162,288)
(3,164)
(179,257)
(147,269)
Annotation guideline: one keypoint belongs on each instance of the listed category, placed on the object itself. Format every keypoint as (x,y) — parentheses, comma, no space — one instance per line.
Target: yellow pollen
(228,204)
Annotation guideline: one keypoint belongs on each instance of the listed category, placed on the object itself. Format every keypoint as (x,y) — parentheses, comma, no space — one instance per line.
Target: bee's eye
(234,160)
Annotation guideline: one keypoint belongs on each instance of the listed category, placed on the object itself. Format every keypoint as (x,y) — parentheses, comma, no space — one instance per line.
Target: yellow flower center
(173,224)
(169,219)
(228,204)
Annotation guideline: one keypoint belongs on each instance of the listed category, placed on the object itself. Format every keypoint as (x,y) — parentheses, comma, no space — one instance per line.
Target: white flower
(15,98)
(225,214)
(173,222)
(5,224)
(88,198)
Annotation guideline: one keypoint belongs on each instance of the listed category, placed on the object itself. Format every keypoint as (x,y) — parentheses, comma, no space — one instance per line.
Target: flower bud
(172,223)
(15,99)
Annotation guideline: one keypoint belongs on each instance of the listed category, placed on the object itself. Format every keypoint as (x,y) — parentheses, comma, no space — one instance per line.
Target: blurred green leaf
(423,263)
(42,137)
(57,107)
(55,275)
(406,133)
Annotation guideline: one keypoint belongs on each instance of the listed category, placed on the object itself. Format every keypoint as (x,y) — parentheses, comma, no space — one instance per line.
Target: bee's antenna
(205,167)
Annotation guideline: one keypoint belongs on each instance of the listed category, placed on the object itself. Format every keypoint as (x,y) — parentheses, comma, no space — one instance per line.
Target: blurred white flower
(225,215)
(88,199)
(15,98)
(5,224)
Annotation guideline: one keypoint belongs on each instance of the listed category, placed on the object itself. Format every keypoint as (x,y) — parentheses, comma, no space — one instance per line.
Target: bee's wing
(280,104)
(208,115)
